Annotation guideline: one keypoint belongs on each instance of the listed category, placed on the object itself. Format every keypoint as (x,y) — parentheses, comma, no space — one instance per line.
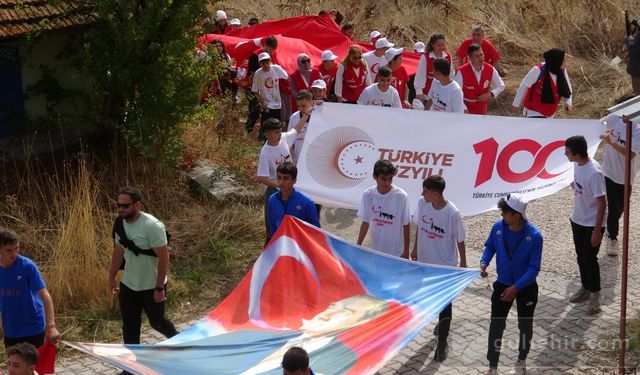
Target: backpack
(125,242)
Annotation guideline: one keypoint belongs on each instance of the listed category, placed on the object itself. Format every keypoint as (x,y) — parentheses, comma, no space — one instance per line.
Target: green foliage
(143,73)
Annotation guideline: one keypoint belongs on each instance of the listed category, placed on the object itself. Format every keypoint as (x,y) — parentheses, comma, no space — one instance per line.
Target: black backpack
(125,242)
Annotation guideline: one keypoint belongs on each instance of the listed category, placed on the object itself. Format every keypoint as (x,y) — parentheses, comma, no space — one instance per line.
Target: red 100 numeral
(488,149)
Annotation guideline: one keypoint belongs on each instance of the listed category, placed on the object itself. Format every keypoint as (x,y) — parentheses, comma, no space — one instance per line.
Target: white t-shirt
(272,156)
(588,184)
(268,86)
(447,98)
(613,164)
(373,96)
(439,232)
(386,215)
(297,144)
(374,63)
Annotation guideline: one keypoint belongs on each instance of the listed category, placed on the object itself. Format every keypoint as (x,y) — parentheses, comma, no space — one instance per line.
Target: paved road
(566,340)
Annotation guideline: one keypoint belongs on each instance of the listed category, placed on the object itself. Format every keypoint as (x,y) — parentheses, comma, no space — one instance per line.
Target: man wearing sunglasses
(141,241)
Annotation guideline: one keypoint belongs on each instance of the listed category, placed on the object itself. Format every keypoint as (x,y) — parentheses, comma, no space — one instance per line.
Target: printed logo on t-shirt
(577,188)
(268,83)
(375,67)
(283,158)
(616,135)
(299,207)
(432,230)
(379,102)
(9,292)
(380,217)
(18,277)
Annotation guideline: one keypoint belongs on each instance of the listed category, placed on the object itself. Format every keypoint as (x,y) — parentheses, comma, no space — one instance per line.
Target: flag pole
(625,248)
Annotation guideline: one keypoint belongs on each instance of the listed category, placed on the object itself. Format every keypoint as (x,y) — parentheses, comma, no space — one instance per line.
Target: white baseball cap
(374,34)
(235,21)
(383,42)
(319,84)
(517,204)
(419,47)
(393,52)
(328,56)
(263,56)
(221,15)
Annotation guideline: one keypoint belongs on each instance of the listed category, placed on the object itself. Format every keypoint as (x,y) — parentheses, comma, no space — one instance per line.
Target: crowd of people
(376,78)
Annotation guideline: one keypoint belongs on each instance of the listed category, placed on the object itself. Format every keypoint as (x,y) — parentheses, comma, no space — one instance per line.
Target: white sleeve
(395,100)
(497,83)
(527,81)
(338,81)
(364,97)
(598,186)
(416,213)
(367,79)
(290,137)
(363,211)
(282,74)
(569,101)
(460,235)
(457,101)
(421,76)
(458,78)
(254,85)
(263,165)
(293,121)
(406,211)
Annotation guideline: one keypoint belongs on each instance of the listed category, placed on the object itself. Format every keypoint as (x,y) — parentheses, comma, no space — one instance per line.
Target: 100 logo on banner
(491,160)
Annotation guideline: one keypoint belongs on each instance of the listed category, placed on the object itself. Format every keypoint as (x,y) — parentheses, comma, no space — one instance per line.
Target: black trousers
(35,340)
(254,110)
(444,323)
(587,256)
(615,205)
(267,193)
(526,300)
(132,303)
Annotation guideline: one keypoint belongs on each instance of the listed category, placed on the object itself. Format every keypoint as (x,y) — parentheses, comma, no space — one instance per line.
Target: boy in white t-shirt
(385,208)
(381,94)
(587,220)
(273,153)
(266,85)
(445,95)
(615,139)
(439,239)
(304,100)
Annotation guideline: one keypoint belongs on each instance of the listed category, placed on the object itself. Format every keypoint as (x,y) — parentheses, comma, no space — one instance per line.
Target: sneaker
(580,296)
(435,329)
(594,303)
(492,371)
(441,351)
(520,368)
(612,248)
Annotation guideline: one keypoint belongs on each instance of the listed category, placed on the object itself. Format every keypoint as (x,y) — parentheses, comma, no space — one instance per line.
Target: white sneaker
(612,248)
(594,303)
(520,367)
(580,296)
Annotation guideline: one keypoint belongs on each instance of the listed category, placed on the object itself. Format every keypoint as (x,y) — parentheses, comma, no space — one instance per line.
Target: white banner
(482,158)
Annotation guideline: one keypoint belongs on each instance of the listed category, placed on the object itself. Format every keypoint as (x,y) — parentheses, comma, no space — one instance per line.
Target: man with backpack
(140,240)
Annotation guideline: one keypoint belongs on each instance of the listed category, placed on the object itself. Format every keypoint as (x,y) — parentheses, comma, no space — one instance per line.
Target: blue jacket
(524,266)
(298,205)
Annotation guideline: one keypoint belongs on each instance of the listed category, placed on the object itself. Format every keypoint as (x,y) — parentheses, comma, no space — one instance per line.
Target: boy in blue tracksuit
(517,245)
(289,201)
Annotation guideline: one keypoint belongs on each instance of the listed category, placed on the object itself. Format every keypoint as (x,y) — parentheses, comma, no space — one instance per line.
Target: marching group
(372,78)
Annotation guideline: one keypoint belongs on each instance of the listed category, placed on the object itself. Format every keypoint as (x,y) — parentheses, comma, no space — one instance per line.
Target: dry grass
(591,32)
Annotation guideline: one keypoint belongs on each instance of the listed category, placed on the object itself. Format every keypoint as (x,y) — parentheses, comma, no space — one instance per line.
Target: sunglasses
(305,61)
(124,205)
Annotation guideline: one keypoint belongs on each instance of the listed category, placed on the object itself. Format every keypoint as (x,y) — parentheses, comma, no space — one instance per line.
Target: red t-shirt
(491,55)
(399,80)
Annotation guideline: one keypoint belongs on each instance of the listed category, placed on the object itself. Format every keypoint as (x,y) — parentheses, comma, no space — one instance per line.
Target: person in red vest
(490,52)
(400,77)
(221,26)
(302,78)
(328,69)
(436,49)
(352,76)
(479,81)
(544,86)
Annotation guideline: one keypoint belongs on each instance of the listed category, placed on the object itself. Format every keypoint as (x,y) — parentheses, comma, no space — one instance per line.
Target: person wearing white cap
(328,69)
(221,26)
(587,220)
(375,59)
(435,49)
(517,246)
(266,85)
(319,90)
(400,77)
(419,47)
(381,93)
(374,36)
(235,24)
